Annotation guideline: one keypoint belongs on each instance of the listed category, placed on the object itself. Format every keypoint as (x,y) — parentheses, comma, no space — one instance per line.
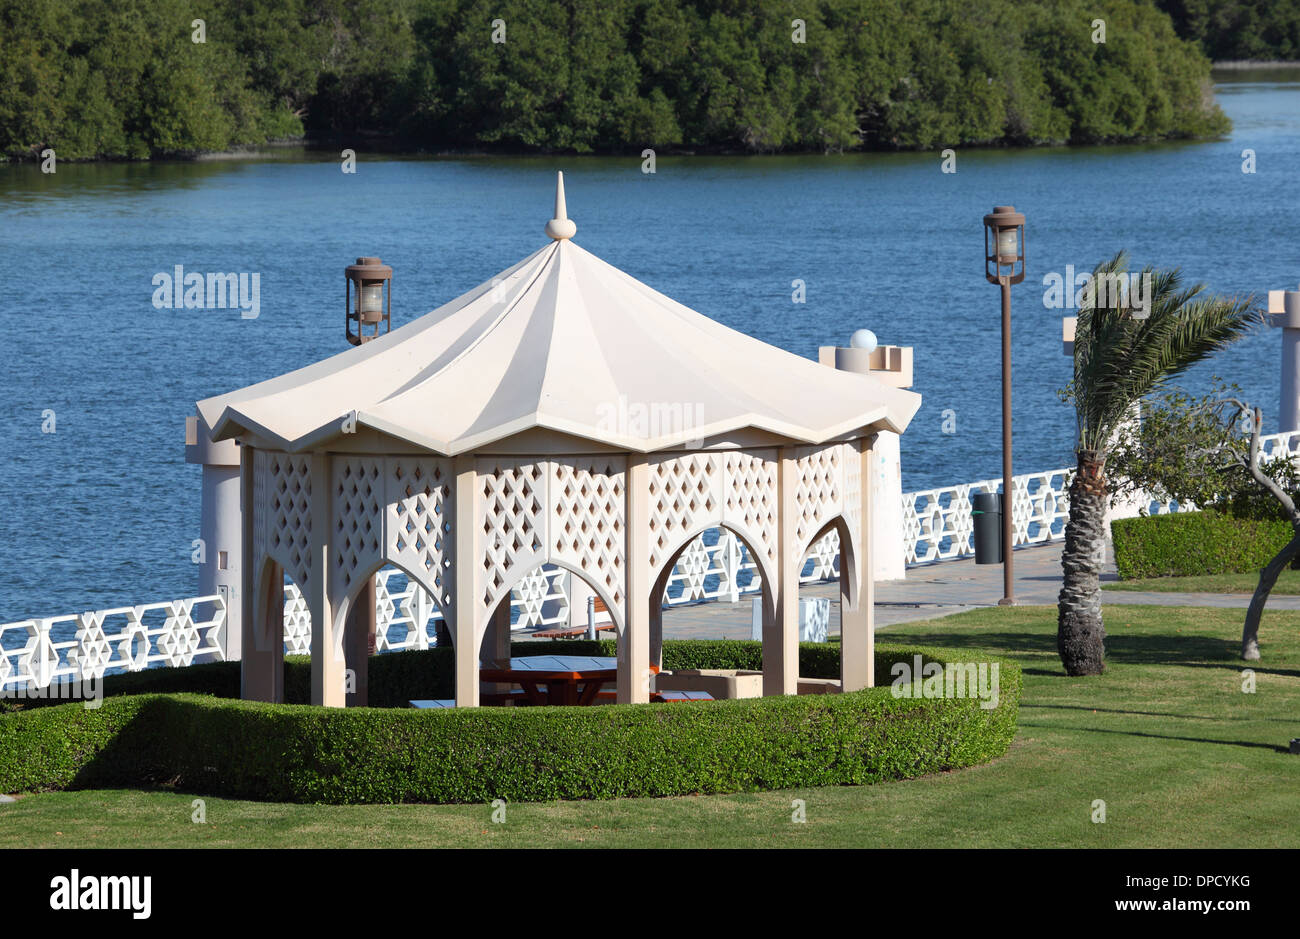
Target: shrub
(285,752)
(397,678)
(1190,450)
(1190,543)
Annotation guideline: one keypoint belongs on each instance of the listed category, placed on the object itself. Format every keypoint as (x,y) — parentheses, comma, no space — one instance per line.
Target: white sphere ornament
(863,339)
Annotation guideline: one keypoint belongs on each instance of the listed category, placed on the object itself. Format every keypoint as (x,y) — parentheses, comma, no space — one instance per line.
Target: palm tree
(1119,358)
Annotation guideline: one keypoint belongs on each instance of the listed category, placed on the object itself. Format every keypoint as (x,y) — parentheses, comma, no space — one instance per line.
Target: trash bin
(986,514)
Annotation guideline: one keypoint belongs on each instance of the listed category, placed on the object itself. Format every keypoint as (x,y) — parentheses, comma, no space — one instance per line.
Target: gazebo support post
(858,621)
(498,642)
(328,678)
(633,685)
(464,633)
(781,632)
(657,630)
(261,668)
(357,630)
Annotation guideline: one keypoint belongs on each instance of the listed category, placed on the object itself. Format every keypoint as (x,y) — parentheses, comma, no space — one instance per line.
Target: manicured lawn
(1180,755)
(1288,583)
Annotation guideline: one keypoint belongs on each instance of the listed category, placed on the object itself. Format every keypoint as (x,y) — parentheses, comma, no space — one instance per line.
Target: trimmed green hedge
(295,753)
(397,678)
(1190,543)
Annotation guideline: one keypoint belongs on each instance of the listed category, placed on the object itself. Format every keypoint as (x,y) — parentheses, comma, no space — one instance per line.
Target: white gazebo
(561,413)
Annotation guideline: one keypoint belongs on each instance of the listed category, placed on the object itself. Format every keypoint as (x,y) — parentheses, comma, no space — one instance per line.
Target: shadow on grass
(1240,665)
(1178,649)
(1189,717)
(1250,744)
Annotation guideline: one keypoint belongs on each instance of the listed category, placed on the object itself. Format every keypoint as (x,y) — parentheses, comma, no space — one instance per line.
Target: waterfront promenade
(944,588)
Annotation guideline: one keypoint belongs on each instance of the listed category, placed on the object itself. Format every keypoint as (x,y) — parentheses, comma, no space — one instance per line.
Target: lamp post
(373,305)
(372,283)
(1004,264)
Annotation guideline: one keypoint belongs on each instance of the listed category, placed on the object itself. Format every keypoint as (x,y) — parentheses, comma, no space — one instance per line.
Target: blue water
(103,511)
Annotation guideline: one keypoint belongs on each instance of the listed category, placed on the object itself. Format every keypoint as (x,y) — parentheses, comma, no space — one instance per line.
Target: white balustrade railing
(937,526)
(38,652)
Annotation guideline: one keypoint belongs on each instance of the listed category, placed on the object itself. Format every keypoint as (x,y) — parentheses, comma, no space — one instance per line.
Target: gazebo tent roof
(559,341)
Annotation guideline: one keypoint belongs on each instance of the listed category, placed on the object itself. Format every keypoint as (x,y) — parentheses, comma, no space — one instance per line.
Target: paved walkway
(944,588)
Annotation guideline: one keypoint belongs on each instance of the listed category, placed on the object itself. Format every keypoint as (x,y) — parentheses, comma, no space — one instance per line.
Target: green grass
(1166,737)
(1288,583)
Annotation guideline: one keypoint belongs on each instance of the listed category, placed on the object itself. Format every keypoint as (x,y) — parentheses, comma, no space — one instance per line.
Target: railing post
(732,565)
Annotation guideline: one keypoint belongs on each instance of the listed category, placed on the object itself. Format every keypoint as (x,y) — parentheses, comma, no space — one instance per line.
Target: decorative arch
(343,606)
(850,581)
(267,593)
(517,575)
(766,570)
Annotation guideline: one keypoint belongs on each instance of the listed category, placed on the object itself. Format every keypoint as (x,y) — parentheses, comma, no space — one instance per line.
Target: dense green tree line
(128,80)
(1239,29)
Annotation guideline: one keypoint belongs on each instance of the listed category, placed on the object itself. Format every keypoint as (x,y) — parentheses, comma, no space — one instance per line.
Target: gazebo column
(261,622)
(467,566)
(633,685)
(858,621)
(781,632)
(328,684)
(498,643)
(358,633)
(262,667)
(657,631)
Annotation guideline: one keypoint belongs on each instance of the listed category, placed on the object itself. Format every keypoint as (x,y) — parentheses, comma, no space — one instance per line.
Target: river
(103,510)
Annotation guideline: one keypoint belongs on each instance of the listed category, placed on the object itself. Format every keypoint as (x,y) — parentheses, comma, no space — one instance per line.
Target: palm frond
(1119,358)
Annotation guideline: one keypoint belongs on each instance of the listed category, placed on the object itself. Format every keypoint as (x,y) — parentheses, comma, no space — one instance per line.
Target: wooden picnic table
(568,679)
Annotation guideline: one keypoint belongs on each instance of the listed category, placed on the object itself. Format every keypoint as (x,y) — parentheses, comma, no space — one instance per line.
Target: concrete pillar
(633,684)
(464,630)
(1284,312)
(328,682)
(221,514)
(781,632)
(889,365)
(358,643)
(858,614)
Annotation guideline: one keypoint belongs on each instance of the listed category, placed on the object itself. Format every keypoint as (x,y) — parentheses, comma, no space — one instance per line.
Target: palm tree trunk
(1080,633)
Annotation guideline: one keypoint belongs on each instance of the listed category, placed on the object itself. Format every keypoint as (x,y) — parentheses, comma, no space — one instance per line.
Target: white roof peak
(560,228)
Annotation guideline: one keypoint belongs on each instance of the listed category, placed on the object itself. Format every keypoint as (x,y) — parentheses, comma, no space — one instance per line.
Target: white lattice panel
(511,512)
(750,498)
(819,490)
(357,541)
(420,528)
(685,497)
(587,528)
(282,506)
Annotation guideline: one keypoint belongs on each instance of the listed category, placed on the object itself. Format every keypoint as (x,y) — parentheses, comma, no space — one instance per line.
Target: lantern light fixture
(1004,245)
(372,283)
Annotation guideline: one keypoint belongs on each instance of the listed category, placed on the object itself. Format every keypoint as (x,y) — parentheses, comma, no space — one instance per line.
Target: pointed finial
(560,227)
